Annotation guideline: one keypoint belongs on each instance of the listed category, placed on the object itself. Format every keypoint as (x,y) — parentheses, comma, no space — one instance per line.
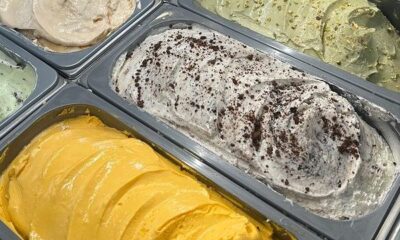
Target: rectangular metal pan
(98,79)
(71,64)
(78,101)
(194,6)
(47,79)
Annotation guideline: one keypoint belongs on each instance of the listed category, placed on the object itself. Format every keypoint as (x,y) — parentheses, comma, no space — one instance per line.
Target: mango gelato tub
(86,169)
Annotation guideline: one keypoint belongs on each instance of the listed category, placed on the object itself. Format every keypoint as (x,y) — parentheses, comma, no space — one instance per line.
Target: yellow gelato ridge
(80,179)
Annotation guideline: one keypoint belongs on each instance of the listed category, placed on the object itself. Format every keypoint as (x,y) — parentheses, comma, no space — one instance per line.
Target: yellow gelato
(80,179)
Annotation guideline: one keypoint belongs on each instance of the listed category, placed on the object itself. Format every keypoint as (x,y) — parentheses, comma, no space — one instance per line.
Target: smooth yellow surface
(82,180)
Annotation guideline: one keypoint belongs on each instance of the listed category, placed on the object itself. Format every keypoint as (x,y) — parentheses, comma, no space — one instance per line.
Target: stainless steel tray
(47,79)
(395,232)
(391,9)
(193,5)
(98,79)
(71,64)
(82,100)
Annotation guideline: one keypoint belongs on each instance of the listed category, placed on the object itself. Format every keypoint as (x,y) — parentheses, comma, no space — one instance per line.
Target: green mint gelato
(17,81)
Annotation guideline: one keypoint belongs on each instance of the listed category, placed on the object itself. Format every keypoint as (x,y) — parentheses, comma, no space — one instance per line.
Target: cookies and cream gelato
(282,126)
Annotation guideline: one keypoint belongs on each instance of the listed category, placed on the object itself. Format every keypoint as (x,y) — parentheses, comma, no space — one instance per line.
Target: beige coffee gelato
(65,26)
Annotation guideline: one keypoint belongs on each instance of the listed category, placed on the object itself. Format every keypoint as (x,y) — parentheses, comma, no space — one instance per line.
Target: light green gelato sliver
(351,34)
(17,81)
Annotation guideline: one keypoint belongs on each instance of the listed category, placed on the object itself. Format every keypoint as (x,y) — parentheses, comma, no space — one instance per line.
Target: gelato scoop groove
(64,26)
(280,125)
(17,82)
(80,179)
(351,34)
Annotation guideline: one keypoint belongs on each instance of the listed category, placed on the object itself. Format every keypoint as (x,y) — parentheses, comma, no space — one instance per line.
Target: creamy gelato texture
(80,179)
(64,26)
(351,34)
(282,126)
(17,81)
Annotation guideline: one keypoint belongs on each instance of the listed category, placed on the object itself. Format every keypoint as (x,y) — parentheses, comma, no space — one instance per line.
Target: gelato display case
(200,119)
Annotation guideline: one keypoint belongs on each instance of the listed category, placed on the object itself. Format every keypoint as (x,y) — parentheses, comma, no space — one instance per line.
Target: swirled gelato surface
(352,34)
(65,26)
(80,179)
(17,81)
(282,126)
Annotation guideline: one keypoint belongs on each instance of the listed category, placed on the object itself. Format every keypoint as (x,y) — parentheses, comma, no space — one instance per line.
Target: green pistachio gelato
(351,34)
(17,81)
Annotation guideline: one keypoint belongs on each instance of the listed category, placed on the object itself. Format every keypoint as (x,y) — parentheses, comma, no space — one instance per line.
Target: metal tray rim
(46,80)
